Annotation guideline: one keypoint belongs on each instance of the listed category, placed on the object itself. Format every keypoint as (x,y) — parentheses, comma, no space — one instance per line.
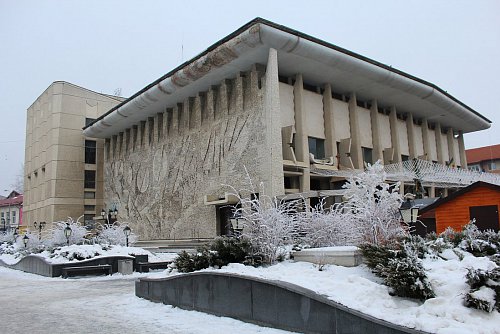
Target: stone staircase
(172,246)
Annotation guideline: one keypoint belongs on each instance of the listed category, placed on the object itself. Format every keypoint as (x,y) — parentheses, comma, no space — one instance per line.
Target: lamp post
(126,231)
(25,240)
(110,216)
(67,233)
(3,222)
(16,233)
(40,226)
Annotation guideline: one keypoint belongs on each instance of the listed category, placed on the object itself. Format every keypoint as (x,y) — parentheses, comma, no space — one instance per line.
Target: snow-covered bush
(78,233)
(7,237)
(401,269)
(112,234)
(269,224)
(485,289)
(324,227)
(374,205)
(220,252)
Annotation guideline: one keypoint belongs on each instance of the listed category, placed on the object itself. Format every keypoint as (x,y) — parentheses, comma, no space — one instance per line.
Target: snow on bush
(78,233)
(372,205)
(112,234)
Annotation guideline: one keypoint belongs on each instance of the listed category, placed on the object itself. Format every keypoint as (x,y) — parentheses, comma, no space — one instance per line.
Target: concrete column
(253,83)
(186,113)
(432,192)
(425,138)
(160,125)
(238,94)
(451,147)
(439,144)
(222,100)
(412,143)
(128,133)
(273,172)
(329,121)
(113,147)
(375,123)
(107,149)
(156,133)
(393,121)
(168,121)
(147,133)
(209,104)
(356,153)
(461,149)
(301,141)
(123,146)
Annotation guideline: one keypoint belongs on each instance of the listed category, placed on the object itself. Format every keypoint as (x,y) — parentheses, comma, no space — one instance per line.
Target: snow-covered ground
(359,289)
(36,304)
(355,287)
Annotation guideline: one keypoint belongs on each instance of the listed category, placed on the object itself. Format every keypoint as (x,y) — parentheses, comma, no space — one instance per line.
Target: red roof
(17,200)
(485,153)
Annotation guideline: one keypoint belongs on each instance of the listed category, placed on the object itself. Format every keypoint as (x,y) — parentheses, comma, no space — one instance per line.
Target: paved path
(35,304)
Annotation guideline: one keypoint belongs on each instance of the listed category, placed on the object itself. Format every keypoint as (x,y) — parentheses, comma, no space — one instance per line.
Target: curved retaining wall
(269,303)
(37,265)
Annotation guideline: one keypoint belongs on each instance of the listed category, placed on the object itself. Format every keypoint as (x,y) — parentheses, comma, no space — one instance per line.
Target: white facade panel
(432,144)
(341,120)
(403,137)
(418,140)
(313,106)
(365,127)
(444,142)
(286,105)
(385,131)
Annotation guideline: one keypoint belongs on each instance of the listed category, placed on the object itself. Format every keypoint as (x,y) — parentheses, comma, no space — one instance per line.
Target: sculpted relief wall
(158,172)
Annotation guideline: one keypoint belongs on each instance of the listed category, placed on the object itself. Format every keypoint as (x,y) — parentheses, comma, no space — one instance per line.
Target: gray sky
(105,45)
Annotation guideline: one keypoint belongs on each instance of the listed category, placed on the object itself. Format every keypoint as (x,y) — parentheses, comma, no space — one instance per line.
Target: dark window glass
(317,147)
(88,121)
(367,155)
(89,179)
(90,152)
(89,207)
(404,157)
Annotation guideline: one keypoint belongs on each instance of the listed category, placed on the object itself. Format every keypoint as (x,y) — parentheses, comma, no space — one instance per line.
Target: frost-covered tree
(78,233)
(112,234)
(372,205)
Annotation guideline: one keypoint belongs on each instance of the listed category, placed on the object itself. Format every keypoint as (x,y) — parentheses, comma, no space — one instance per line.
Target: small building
(479,201)
(11,211)
(484,159)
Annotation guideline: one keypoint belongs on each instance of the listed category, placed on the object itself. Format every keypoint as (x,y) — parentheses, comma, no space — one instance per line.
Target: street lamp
(67,233)
(40,226)
(409,212)
(110,215)
(16,233)
(25,240)
(126,231)
(3,221)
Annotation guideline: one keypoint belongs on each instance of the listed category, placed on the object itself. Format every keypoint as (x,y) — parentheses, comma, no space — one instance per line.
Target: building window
(317,147)
(90,152)
(404,157)
(89,194)
(492,165)
(89,120)
(13,218)
(367,155)
(475,167)
(89,207)
(89,179)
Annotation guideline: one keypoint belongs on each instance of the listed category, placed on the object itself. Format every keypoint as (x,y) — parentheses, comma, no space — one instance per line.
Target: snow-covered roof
(319,62)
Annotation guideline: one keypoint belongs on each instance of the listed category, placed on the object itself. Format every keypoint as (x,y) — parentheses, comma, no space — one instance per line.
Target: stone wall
(158,172)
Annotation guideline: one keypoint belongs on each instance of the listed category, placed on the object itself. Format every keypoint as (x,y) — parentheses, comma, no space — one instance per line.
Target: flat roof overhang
(318,61)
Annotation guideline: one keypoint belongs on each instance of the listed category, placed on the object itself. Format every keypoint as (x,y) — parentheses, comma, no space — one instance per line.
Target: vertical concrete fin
(375,124)
(425,139)
(393,121)
(273,170)
(461,149)
(329,121)
(356,153)
(410,129)
(439,144)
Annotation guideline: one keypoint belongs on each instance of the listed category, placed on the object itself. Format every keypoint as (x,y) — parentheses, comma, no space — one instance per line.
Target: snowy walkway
(35,304)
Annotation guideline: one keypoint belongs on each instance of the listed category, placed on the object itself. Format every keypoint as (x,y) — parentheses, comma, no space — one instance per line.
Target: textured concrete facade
(55,154)
(160,172)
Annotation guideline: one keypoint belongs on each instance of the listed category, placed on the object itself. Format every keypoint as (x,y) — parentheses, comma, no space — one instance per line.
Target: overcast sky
(105,45)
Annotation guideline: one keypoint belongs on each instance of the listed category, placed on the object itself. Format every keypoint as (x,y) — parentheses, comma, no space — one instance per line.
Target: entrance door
(224,214)
(486,217)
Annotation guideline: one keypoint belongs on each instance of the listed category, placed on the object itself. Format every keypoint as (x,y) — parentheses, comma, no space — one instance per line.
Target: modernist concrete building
(294,111)
(63,168)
